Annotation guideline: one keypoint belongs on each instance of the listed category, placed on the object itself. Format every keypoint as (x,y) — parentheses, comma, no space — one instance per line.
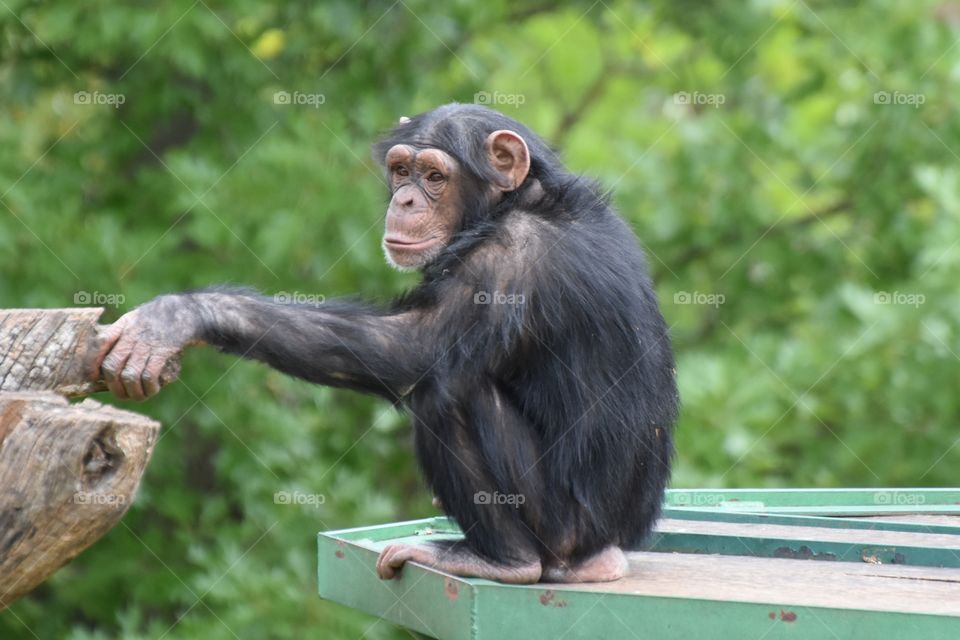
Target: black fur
(567,398)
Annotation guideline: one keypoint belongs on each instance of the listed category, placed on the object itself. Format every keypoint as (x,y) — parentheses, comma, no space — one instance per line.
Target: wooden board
(789,583)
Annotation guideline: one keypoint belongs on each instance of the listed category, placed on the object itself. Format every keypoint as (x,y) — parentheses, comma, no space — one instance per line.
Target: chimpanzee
(532,356)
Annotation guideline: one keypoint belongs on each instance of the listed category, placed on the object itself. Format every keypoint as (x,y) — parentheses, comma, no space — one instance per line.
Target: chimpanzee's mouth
(394,242)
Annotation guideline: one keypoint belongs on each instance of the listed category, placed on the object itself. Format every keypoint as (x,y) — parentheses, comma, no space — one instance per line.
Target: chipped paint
(803,553)
(882,555)
(549,599)
(785,616)
(451,589)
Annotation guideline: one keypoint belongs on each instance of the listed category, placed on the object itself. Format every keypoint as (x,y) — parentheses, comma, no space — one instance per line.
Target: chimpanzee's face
(426,208)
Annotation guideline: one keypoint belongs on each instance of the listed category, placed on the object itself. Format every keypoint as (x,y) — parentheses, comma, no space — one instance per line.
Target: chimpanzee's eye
(401,171)
(435,176)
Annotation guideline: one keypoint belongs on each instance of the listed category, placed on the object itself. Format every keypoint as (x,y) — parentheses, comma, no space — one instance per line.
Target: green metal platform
(839,564)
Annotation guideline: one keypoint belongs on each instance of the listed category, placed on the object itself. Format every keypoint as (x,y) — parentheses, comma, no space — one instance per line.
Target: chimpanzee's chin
(404,261)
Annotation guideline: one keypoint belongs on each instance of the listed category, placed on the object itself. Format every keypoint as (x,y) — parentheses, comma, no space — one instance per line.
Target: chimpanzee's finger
(384,570)
(132,372)
(160,370)
(114,363)
(392,559)
(156,374)
(150,376)
(106,338)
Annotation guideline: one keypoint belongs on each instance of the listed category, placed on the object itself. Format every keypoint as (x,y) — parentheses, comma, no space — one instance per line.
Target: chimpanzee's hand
(140,352)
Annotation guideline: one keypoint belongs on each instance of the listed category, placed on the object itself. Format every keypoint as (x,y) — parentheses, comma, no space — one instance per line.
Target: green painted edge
(801,549)
(423,600)
(883,500)
(395,529)
(535,612)
(836,511)
(801,520)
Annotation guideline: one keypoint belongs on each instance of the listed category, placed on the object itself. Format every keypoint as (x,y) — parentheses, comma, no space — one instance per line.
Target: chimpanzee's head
(446,169)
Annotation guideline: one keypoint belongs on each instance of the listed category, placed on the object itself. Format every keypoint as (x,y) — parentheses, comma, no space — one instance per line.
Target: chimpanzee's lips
(409,245)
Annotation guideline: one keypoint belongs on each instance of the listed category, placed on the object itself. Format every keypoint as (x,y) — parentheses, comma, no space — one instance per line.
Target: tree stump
(68,472)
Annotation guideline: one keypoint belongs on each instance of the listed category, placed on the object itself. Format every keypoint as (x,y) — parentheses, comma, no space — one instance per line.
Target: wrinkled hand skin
(140,352)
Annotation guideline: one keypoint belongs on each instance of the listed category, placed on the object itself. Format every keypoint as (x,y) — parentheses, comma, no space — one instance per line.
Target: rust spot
(549,599)
(803,553)
(451,589)
(788,616)
(882,555)
(772,615)
(338,553)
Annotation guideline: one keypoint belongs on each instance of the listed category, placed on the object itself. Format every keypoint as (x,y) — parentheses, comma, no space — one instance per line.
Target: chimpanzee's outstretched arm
(335,343)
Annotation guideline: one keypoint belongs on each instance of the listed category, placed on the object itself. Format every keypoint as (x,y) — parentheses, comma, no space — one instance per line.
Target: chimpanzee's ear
(509,156)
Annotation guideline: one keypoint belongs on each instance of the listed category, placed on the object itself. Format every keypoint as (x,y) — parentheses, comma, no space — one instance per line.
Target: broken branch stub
(48,350)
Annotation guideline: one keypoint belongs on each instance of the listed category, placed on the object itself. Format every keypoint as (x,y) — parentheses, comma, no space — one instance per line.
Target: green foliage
(802,228)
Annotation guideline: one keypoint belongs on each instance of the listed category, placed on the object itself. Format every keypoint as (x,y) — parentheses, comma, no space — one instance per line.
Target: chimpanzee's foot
(460,562)
(604,566)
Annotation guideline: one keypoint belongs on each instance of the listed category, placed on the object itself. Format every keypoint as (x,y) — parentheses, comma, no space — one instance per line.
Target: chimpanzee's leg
(478,454)
(455,559)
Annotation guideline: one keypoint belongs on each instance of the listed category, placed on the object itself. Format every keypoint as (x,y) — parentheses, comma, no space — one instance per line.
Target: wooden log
(68,472)
(48,350)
